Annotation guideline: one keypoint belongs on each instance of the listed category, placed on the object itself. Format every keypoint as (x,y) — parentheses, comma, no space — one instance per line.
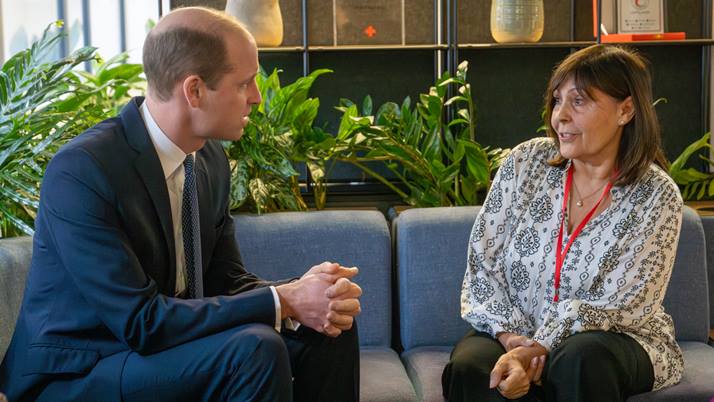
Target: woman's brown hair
(618,72)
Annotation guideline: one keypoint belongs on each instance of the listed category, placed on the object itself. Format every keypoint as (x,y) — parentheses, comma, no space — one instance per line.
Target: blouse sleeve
(633,274)
(485,299)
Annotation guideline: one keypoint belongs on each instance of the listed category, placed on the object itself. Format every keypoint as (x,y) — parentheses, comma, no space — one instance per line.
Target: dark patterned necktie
(191,232)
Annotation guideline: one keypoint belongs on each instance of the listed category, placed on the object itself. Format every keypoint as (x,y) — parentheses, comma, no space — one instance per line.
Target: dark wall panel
(508,87)
(686,16)
(217,4)
(289,63)
(677,77)
(419,21)
(384,75)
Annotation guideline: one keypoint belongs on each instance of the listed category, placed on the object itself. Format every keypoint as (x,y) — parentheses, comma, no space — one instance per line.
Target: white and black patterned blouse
(613,278)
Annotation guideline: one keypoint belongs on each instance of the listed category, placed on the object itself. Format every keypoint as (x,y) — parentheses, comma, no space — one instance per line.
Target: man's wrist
(284,294)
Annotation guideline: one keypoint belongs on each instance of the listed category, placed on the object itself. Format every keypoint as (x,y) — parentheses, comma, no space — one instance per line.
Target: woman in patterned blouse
(570,256)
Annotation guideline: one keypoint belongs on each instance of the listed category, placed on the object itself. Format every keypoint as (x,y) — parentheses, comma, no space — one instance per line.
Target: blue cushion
(698,381)
(15,255)
(687,294)
(382,377)
(431,246)
(424,366)
(286,244)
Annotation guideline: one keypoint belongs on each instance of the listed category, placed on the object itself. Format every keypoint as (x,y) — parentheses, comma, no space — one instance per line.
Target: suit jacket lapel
(149,169)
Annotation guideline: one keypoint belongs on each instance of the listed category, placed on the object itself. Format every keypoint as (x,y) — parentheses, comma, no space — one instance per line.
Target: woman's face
(589,129)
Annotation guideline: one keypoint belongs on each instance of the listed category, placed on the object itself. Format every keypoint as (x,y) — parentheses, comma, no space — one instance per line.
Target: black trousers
(588,366)
(250,362)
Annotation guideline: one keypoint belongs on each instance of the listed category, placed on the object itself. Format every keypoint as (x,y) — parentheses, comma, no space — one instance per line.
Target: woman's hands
(510,341)
(510,377)
(521,365)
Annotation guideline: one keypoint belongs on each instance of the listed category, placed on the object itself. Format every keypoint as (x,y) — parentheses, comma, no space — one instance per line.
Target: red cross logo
(370,31)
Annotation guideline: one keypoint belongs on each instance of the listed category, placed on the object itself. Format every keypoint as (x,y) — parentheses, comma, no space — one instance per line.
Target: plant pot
(261,18)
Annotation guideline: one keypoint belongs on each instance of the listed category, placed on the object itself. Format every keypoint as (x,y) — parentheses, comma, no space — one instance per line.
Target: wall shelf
(282,49)
(563,44)
(351,48)
(507,81)
(685,42)
(467,46)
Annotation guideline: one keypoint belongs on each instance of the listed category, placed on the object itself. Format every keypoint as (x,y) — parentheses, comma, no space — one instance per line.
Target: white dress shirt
(171,158)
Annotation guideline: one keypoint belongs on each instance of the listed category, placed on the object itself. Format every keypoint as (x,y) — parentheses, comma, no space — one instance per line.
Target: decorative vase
(517,20)
(261,18)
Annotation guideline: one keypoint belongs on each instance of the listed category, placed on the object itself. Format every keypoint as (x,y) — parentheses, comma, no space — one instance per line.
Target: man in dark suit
(136,289)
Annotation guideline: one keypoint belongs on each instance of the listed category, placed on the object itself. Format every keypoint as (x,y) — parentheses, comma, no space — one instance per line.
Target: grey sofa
(411,302)
(283,244)
(431,257)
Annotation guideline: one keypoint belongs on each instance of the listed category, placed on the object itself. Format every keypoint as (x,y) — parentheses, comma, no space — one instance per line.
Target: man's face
(228,105)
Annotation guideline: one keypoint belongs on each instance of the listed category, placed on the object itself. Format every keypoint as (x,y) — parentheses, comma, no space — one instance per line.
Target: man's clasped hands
(324,298)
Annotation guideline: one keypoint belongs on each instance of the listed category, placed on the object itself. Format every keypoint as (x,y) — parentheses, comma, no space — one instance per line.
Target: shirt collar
(170,155)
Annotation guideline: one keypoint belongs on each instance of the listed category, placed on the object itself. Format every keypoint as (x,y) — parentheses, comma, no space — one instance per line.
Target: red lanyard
(559,252)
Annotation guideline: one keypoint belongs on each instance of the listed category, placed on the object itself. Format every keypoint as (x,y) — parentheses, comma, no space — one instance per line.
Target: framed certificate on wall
(640,16)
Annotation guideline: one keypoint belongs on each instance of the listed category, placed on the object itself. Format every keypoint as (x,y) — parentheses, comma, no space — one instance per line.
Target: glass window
(112,26)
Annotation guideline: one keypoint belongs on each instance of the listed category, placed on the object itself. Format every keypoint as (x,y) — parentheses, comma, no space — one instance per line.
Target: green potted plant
(44,102)
(438,161)
(281,134)
(694,184)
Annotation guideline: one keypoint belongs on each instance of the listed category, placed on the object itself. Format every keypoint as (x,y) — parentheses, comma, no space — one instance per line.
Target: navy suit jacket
(103,271)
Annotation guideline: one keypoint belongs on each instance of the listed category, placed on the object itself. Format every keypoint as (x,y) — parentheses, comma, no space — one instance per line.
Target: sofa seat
(425,364)
(285,244)
(382,377)
(697,382)
(432,243)
(15,254)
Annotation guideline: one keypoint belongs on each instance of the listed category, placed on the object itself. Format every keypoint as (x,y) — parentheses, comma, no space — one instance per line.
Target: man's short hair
(173,54)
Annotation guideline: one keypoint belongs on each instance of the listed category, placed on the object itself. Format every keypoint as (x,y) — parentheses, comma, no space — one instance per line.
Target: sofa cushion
(431,246)
(698,381)
(382,377)
(425,364)
(281,245)
(15,255)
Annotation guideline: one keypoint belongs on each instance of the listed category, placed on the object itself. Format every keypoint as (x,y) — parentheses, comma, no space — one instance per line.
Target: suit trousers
(587,366)
(250,362)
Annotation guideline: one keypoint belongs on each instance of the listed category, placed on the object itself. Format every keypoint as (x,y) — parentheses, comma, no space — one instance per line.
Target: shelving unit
(507,79)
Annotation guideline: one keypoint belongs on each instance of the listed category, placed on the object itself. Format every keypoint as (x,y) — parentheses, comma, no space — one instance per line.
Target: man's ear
(192,88)
(626,110)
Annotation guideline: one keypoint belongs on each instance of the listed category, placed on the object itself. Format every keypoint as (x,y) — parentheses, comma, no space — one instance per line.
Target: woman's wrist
(525,354)
(503,338)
